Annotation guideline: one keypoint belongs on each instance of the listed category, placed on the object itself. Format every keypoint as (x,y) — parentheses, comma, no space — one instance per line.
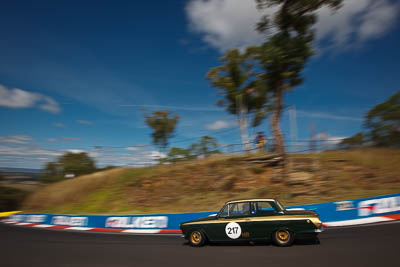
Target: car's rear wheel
(197,238)
(283,238)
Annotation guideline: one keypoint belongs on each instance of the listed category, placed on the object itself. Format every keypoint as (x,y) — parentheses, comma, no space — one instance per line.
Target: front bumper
(320,230)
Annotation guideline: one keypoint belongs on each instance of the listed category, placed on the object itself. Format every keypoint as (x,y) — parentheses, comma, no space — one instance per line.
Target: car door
(265,218)
(231,225)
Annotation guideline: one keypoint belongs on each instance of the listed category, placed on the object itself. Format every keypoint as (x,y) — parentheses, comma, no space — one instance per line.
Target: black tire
(197,238)
(283,238)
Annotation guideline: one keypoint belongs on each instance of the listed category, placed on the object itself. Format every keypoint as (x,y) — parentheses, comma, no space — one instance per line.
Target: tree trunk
(275,123)
(242,117)
(276,128)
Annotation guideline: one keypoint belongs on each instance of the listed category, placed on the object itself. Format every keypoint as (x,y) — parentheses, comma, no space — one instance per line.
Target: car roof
(247,200)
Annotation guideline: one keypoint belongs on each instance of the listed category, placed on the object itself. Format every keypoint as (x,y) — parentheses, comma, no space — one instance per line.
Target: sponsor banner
(357,211)
(137,222)
(70,221)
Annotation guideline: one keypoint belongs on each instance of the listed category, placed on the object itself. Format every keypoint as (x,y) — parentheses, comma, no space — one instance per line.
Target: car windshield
(279,204)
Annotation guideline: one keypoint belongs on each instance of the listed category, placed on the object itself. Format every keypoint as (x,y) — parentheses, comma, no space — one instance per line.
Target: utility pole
(241,110)
(293,126)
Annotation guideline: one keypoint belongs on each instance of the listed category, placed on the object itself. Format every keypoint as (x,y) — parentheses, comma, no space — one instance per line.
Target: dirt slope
(204,185)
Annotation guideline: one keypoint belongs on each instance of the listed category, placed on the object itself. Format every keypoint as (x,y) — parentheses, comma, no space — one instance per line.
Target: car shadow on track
(258,243)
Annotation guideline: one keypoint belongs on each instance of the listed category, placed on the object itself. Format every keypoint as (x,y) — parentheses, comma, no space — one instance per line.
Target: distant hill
(20,174)
(25,170)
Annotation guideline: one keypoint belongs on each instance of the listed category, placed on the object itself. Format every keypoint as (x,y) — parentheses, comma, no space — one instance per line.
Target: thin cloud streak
(60,125)
(175,107)
(323,115)
(220,124)
(15,139)
(84,122)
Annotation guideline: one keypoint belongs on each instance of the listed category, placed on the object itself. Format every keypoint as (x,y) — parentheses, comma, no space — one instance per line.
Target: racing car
(253,220)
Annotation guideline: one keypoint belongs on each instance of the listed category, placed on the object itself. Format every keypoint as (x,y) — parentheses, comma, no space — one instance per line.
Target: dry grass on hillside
(204,185)
(70,191)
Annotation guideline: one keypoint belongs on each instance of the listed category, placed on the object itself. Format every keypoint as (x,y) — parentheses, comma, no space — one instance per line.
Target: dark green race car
(253,220)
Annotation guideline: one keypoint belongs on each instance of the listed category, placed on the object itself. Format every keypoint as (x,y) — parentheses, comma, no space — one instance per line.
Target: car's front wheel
(283,238)
(197,238)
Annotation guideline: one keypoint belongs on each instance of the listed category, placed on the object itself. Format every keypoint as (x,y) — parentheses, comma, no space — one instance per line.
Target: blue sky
(79,76)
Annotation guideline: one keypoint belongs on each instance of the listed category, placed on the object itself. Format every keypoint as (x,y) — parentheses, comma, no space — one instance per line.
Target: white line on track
(362,225)
(79,228)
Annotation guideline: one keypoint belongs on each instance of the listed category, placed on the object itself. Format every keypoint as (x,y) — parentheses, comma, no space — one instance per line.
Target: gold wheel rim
(283,236)
(195,237)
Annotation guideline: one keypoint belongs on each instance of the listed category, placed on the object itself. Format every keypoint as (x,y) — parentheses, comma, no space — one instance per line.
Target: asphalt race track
(376,245)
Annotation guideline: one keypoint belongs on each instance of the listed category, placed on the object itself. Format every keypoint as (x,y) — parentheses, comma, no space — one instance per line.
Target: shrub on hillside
(11,198)
(74,164)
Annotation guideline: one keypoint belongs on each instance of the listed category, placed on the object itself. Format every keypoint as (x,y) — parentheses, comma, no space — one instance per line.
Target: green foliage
(53,172)
(77,163)
(383,122)
(177,154)
(11,198)
(69,163)
(1,176)
(237,78)
(163,124)
(207,146)
(354,141)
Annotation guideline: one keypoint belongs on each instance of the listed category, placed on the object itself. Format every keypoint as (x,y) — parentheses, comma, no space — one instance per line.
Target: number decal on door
(233,230)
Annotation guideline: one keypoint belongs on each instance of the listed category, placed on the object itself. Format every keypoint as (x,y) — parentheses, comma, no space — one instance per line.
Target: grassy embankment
(204,185)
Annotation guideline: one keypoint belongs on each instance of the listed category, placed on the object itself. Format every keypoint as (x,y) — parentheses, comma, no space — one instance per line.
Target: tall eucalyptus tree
(287,48)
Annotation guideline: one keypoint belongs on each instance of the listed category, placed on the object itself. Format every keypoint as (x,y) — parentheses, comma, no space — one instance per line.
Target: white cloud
(225,24)
(357,21)
(84,122)
(34,156)
(154,155)
(131,148)
(49,104)
(76,151)
(15,139)
(231,23)
(220,124)
(378,19)
(64,140)
(137,158)
(17,98)
(27,152)
(327,139)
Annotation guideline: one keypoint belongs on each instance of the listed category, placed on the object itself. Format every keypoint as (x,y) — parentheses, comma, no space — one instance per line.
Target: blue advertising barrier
(357,211)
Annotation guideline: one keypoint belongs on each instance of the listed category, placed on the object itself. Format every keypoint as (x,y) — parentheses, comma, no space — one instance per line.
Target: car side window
(239,209)
(263,208)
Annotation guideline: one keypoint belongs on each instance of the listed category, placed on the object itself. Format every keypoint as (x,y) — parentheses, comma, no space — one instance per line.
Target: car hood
(208,218)
(300,212)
